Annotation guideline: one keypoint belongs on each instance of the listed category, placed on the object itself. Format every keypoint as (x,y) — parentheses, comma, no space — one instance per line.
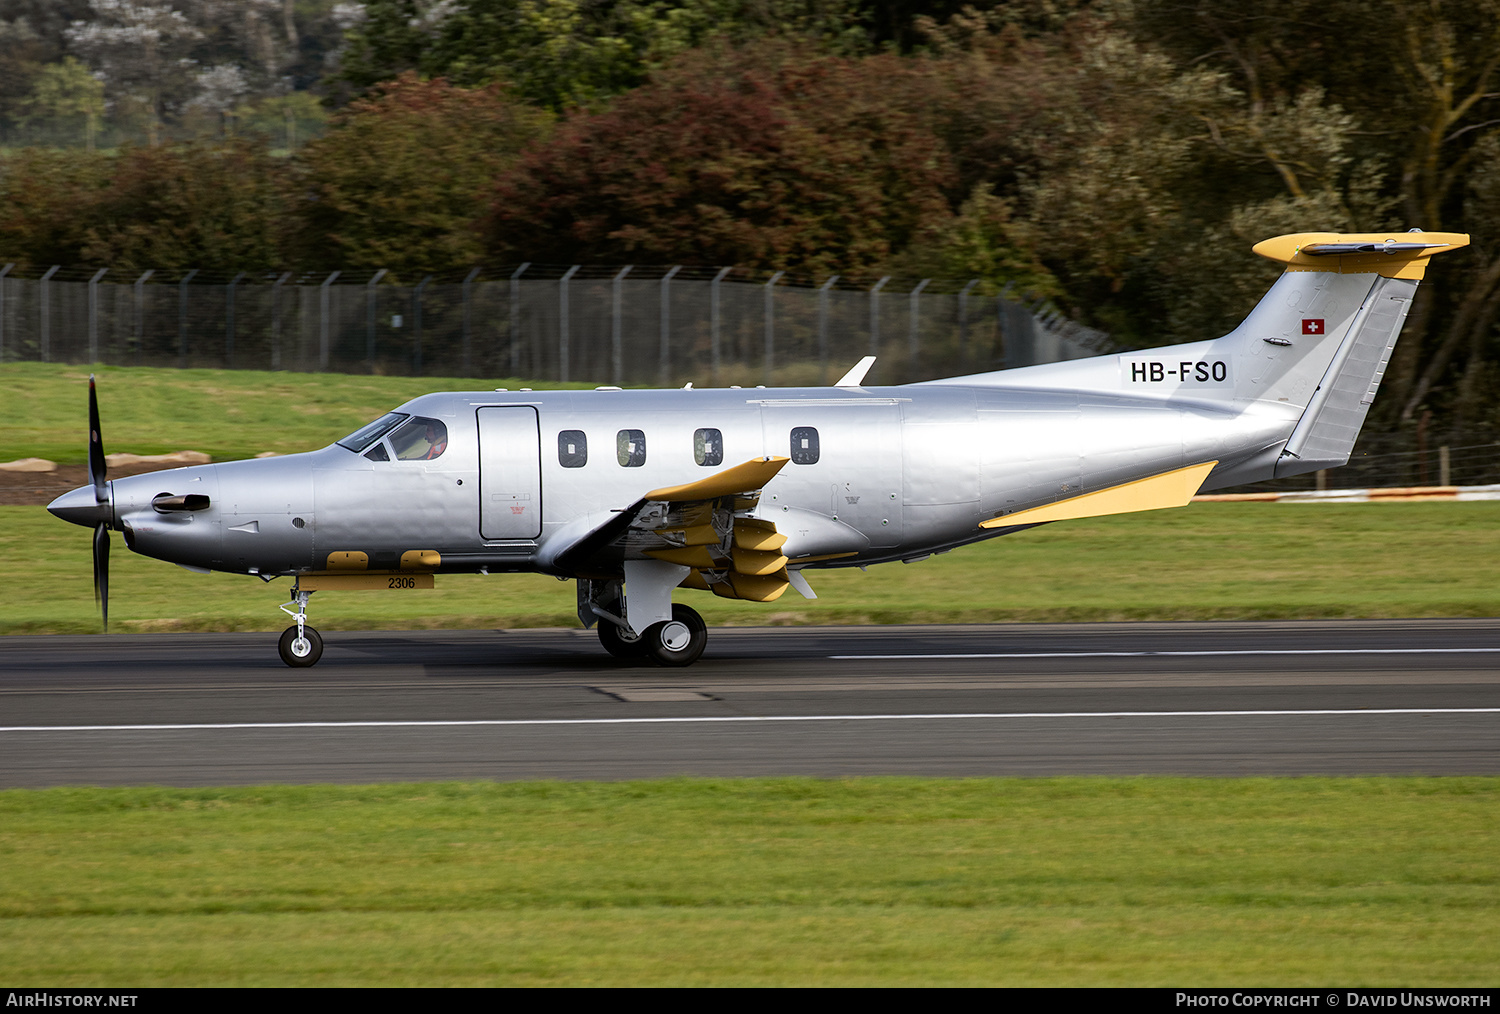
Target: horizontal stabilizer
(1394,255)
(1169,489)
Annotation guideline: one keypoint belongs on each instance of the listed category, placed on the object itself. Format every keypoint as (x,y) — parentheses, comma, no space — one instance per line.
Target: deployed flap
(691,524)
(1169,489)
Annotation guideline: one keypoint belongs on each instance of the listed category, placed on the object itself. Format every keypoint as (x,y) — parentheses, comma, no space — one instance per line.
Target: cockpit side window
(367,435)
(420,439)
(378,453)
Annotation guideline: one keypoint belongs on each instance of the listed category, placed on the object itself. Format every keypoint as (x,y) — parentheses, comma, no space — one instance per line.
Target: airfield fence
(604,325)
(640,325)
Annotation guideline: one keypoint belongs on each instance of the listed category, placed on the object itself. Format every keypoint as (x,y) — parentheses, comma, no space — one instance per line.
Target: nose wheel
(300,646)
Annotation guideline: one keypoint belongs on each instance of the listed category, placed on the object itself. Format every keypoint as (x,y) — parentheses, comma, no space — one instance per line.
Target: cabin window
(367,435)
(804,445)
(708,447)
(630,448)
(572,449)
(378,453)
(420,439)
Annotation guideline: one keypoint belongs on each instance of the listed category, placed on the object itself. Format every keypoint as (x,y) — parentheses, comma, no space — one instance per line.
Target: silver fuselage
(900,472)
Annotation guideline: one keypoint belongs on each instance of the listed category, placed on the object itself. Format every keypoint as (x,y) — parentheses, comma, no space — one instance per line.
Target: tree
(562,53)
(398,181)
(67,91)
(766,156)
(193,205)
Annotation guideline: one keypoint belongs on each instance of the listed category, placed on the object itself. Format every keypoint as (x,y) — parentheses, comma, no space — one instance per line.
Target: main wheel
(680,640)
(620,642)
(300,652)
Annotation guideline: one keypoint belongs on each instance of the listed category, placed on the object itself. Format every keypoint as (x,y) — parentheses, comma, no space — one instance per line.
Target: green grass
(229,414)
(763,881)
(1208,561)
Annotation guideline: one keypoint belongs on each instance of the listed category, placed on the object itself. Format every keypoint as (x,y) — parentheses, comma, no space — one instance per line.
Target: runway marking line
(726,719)
(1184,654)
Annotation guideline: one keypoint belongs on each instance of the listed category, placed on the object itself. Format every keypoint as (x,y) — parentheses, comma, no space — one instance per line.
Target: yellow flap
(697,535)
(1169,489)
(767,588)
(744,478)
(349,559)
(758,539)
(749,561)
(688,556)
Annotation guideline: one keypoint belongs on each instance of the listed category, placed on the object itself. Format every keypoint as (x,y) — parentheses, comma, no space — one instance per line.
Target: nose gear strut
(301,646)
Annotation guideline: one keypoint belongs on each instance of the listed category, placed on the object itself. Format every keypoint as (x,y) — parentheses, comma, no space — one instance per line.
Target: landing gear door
(510,473)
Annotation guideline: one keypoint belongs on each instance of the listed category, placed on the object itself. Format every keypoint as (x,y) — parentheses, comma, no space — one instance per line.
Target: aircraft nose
(81,508)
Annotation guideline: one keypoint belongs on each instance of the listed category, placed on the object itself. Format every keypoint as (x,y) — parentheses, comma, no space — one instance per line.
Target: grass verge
(880,881)
(1208,561)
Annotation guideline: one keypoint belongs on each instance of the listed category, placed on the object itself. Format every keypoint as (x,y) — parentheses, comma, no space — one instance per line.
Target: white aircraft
(636,494)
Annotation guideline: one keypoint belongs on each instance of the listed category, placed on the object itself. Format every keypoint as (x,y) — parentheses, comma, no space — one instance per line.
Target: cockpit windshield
(367,435)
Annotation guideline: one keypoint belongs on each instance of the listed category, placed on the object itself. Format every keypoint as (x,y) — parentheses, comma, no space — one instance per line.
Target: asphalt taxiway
(1346,697)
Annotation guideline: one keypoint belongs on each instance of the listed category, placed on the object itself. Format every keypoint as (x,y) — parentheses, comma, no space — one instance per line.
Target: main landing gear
(300,646)
(675,642)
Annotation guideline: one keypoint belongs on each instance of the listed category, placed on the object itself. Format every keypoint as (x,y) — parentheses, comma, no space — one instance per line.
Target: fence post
(468,344)
(713,320)
(963,321)
(182,307)
(664,356)
(323,297)
(370,308)
(875,315)
(771,324)
(416,325)
(275,319)
(1445,466)
(44,311)
(616,327)
(229,322)
(515,320)
(562,322)
(140,312)
(823,329)
(94,314)
(913,342)
(3,272)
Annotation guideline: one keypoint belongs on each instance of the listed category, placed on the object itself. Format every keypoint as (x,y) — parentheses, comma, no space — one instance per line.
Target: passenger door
(510,473)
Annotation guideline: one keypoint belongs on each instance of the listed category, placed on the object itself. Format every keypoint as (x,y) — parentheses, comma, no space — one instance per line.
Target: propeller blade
(96,446)
(101,572)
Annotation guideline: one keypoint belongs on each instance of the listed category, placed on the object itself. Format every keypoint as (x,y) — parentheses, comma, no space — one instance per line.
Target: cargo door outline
(510,473)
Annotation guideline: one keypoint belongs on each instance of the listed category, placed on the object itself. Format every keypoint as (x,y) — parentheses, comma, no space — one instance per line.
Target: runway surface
(1348,697)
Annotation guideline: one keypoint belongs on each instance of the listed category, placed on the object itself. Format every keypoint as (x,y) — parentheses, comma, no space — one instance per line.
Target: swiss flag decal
(1312,325)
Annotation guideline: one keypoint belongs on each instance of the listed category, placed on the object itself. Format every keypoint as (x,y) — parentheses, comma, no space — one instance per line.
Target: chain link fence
(604,325)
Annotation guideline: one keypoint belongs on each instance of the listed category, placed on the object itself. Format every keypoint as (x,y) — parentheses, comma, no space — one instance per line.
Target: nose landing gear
(300,646)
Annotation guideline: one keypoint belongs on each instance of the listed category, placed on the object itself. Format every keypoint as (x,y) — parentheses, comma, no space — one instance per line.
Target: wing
(703,525)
